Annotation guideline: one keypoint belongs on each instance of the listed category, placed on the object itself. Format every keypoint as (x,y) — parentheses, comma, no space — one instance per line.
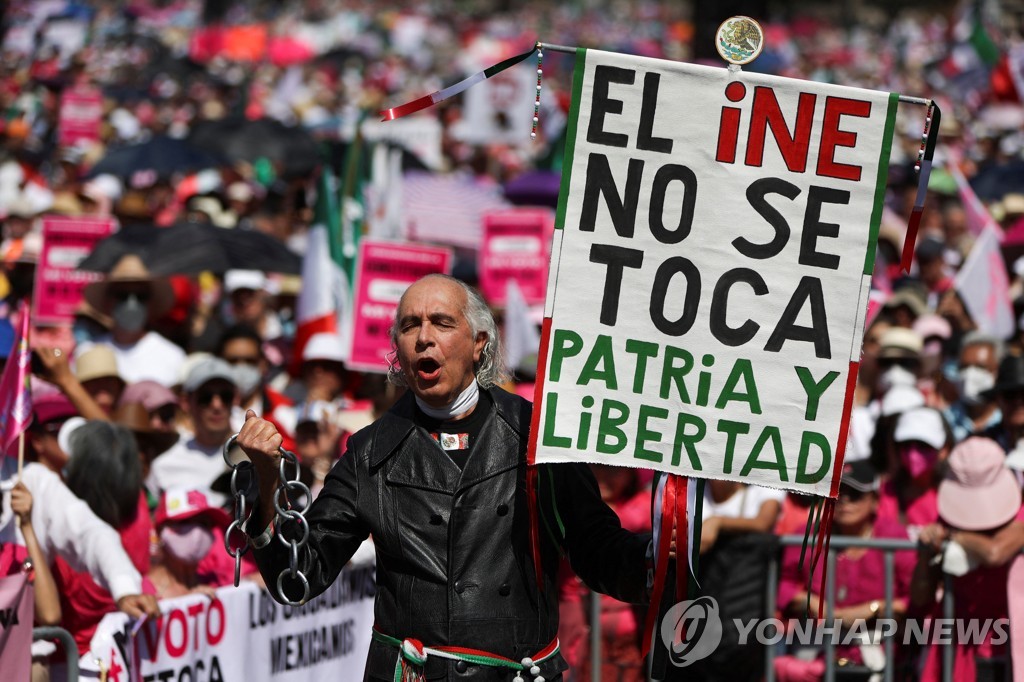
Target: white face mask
(189,542)
(247,378)
(972,382)
(896,376)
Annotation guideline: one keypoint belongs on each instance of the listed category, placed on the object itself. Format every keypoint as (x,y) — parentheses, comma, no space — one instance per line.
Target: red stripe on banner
(407,108)
(538,391)
(844,428)
(668,504)
(910,241)
(825,530)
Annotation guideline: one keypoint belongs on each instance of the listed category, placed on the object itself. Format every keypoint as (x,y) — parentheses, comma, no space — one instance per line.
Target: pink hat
(150,393)
(979,492)
(49,407)
(182,504)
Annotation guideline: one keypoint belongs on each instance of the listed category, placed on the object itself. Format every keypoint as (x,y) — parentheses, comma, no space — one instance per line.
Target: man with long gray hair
(440,483)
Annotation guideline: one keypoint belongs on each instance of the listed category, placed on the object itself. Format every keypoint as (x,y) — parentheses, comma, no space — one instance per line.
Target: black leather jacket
(454,565)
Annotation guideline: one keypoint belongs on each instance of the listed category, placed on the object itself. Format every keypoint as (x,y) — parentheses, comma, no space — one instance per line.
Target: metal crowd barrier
(887,545)
(66,640)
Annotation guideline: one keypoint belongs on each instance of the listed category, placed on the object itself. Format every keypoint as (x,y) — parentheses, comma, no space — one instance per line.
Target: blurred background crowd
(213,136)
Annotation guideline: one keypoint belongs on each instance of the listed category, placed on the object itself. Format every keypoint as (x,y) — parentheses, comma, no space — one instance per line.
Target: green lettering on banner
(688,440)
(814,390)
(601,354)
(550,410)
(731,429)
(609,426)
(671,373)
(770,433)
(644,434)
(643,350)
(808,439)
(741,370)
(567,344)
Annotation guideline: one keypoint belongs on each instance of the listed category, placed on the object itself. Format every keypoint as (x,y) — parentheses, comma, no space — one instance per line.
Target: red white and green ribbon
(412,656)
(452,90)
(929,139)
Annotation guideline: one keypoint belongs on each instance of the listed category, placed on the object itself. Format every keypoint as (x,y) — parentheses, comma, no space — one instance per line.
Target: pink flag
(978,217)
(984,287)
(16,627)
(15,397)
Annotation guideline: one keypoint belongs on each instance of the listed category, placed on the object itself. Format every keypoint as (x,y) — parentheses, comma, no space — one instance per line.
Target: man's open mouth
(428,369)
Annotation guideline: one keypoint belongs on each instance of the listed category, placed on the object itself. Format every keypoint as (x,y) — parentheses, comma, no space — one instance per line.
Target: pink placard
(59,282)
(385,271)
(81,112)
(516,245)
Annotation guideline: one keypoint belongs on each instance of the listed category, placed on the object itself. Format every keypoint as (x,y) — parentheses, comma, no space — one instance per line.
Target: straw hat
(131,270)
(979,492)
(97,362)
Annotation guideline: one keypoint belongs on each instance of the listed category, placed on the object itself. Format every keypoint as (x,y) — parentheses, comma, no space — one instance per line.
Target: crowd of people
(134,400)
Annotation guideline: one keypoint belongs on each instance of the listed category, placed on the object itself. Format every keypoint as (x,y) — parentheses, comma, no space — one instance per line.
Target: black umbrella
(995,181)
(241,139)
(194,247)
(161,155)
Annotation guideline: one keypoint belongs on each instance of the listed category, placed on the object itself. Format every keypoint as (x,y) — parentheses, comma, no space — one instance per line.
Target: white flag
(984,286)
(521,337)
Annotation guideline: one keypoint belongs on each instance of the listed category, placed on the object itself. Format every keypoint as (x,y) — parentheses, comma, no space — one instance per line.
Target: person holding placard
(440,482)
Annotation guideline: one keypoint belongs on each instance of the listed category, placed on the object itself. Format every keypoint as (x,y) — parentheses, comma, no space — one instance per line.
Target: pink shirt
(920,512)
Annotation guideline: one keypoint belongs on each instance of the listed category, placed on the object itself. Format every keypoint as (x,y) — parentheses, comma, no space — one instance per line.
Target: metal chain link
(290,521)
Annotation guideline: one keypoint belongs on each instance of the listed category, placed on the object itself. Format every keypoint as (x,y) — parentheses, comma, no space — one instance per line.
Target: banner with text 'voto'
(710,269)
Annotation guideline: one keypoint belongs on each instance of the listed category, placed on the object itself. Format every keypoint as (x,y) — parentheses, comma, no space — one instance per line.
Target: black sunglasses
(851,494)
(166,413)
(226,395)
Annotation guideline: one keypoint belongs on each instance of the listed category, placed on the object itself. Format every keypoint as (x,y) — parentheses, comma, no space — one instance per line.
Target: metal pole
(66,640)
(947,612)
(890,655)
(595,637)
(906,99)
(830,599)
(771,592)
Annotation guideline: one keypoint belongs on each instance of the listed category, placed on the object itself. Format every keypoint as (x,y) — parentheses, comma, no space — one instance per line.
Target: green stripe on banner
(880,182)
(570,137)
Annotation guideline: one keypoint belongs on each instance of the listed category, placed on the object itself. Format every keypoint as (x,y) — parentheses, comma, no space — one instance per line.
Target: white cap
(324,346)
(191,360)
(244,279)
(922,424)
(901,398)
(104,186)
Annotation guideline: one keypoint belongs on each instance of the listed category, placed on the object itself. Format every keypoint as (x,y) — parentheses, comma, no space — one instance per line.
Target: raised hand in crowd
(52,365)
(47,598)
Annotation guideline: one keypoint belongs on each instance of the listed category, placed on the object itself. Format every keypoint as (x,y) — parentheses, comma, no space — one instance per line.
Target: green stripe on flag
(570,138)
(880,182)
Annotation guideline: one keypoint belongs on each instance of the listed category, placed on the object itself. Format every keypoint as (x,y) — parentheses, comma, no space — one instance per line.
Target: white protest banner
(243,635)
(710,271)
